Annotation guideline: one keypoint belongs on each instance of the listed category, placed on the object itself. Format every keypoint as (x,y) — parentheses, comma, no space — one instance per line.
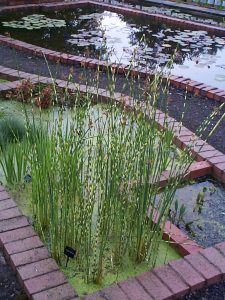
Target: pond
(99,33)
(180,13)
(204,216)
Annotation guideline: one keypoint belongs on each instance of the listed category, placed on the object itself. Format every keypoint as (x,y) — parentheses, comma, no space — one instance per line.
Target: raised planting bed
(55,178)
(198,52)
(84,179)
(97,122)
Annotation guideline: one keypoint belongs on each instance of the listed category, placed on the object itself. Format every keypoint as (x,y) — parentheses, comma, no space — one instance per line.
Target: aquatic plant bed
(96,127)
(14,213)
(27,255)
(205,62)
(159,276)
(42,279)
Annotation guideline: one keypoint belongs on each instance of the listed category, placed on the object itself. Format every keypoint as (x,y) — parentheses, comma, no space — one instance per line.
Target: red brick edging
(173,280)
(37,272)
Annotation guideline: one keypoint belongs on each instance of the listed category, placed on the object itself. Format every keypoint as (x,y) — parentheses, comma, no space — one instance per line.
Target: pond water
(205,207)
(97,33)
(195,16)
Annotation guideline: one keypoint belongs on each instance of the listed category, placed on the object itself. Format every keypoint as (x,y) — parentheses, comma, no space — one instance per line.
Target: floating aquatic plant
(220,77)
(35,21)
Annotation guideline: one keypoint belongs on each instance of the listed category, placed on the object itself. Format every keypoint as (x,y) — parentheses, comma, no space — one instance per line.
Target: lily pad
(35,21)
(220,77)
(183,67)
(166,45)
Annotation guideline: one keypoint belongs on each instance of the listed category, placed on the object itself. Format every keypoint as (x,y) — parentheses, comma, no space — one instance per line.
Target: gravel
(9,286)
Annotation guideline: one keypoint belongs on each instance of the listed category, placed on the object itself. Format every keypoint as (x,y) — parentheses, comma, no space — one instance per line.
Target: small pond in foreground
(99,33)
(204,203)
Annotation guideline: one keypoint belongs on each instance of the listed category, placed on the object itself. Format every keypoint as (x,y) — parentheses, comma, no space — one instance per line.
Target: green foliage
(200,200)
(12,130)
(14,163)
(94,178)
(34,22)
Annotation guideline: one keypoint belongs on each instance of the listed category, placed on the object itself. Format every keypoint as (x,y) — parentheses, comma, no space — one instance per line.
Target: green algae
(165,254)
(3,80)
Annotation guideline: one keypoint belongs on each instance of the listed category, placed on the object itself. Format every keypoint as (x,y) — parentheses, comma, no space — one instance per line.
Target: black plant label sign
(70,252)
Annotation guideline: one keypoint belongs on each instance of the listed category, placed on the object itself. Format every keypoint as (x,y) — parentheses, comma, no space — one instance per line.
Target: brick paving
(36,271)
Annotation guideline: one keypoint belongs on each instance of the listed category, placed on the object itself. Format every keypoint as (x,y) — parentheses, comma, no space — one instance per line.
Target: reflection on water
(199,56)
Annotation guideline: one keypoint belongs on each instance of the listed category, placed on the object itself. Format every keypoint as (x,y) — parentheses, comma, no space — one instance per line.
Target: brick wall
(19,2)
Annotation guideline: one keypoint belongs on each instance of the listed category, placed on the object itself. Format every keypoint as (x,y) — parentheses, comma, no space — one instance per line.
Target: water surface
(98,33)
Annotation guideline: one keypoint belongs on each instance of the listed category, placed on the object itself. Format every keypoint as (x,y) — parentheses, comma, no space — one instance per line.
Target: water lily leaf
(200,65)
(183,67)
(35,21)
(166,45)
(220,77)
